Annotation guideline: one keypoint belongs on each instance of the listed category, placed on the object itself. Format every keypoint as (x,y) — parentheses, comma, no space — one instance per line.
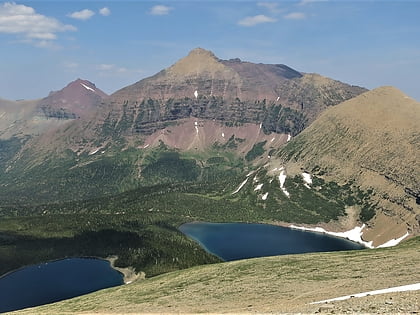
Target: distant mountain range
(209,110)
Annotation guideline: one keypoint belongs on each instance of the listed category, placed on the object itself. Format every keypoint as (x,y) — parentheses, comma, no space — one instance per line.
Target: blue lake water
(233,241)
(54,281)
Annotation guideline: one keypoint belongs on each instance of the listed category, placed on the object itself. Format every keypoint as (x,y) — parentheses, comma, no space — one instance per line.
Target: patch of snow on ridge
(250,173)
(94,151)
(87,87)
(393,242)
(264,197)
(307,178)
(259,186)
(240,186)
(282,180)
(403,288)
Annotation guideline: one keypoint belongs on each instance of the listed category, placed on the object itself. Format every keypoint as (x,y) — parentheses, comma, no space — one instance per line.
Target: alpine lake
(63,279)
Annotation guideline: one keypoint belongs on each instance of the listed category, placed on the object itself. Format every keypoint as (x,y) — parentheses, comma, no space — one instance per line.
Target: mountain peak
(84,85)
(198,61)
(202,53)
(79,98)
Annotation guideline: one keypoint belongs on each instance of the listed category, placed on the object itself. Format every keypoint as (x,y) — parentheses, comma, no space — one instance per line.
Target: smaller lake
(233,241)
(54,281)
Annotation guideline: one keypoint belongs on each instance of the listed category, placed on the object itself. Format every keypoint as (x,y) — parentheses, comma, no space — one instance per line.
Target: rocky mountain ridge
(202,79)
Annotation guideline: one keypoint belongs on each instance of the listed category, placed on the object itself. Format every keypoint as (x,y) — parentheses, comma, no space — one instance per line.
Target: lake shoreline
(238,240)
(129,273)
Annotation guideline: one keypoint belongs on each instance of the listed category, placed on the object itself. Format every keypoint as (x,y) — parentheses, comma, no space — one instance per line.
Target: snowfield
(403,288)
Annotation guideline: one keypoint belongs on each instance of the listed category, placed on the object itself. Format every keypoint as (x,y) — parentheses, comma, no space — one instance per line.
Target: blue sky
(46,44)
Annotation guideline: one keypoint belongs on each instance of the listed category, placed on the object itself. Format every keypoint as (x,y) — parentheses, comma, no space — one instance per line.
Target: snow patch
(87,87)
(240,186)
(264,197)
(259,186)
(394,241)
(282,179)
(250,173)
(94,151)
(288,137)
(354,234)
(403,288)
(307,178)
(196,93)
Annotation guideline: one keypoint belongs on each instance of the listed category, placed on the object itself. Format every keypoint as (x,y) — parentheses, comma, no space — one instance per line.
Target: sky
(44,45)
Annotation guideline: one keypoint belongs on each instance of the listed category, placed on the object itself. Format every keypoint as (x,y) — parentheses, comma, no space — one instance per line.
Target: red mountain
(79,98)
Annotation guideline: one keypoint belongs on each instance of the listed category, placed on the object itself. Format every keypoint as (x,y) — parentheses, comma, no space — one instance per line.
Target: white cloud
(85,14)
(105,11)
(71,66)
(35,28)
(295,16)
(305,2)
(160,10)
(271,6)
(254,20)
(112,69)
(105,67)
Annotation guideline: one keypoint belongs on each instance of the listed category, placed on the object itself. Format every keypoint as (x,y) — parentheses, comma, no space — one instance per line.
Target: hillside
(279,284)
(371,141)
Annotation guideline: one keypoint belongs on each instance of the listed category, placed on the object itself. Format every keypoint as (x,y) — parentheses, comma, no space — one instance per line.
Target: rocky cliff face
(203,86)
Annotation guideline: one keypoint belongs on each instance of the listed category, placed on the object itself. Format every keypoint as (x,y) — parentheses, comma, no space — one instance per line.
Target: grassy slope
(278,284)
(373,141)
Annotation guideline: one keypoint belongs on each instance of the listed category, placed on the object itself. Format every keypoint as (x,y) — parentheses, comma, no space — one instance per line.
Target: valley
(86,174)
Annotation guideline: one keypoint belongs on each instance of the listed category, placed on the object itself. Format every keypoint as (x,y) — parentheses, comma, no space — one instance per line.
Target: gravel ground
(391,303)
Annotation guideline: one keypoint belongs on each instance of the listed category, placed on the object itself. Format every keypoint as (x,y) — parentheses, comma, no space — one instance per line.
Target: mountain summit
(198,61)
(78,99)
(201,76)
